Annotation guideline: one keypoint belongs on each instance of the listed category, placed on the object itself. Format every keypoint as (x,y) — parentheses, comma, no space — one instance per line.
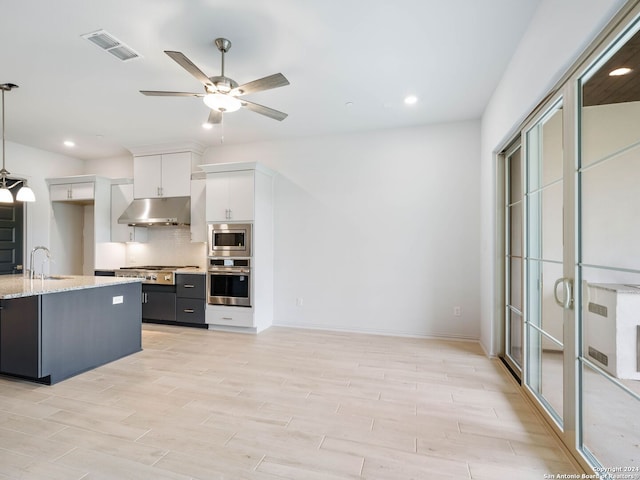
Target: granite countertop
(194,270)
(14,286)
(191,270)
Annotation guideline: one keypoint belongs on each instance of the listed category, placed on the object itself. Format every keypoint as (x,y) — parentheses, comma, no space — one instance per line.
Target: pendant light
(25,194)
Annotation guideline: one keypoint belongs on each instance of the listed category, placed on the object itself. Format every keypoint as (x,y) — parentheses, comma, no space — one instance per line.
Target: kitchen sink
(56,277)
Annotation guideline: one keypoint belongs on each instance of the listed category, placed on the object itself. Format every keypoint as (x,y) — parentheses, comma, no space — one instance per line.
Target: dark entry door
(11,228)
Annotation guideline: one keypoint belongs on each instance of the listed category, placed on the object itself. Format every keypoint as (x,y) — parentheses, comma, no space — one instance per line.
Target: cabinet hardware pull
(189,286)
(188,310)
(227,318)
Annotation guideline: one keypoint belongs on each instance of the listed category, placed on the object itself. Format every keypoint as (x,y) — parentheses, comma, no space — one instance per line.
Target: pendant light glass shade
(25,194)
(5,195)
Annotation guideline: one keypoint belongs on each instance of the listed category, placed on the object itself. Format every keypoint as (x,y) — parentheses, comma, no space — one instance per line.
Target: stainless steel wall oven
(229,281)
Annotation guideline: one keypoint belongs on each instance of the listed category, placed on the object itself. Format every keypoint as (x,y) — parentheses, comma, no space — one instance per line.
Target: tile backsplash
(167,246)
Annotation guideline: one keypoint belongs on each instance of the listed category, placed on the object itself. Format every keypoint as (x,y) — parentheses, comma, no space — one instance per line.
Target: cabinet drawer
(190,310)
(230,316)
(190,286)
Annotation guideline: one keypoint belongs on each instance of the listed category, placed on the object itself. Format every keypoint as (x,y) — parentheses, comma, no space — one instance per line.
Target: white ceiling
(449,53)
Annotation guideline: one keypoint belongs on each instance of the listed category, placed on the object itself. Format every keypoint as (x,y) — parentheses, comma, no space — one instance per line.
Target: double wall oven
(229,264)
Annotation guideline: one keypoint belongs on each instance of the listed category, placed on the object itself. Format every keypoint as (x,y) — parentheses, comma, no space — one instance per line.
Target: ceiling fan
(221,93)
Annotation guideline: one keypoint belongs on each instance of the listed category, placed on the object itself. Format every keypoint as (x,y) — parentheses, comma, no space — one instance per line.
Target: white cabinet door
(230,196)
(59,193)
(83,191)
(217,197)
(121,197)
(147,176)
(176,175)
(198,206)
(241,195)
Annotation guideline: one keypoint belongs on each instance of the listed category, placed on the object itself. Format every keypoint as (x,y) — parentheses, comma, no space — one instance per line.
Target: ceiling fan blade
(189,66)
(272,81)
(261,109)
(160,93)
(215,117)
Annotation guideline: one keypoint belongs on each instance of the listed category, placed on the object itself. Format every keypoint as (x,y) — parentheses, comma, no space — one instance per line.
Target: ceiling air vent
(111,44)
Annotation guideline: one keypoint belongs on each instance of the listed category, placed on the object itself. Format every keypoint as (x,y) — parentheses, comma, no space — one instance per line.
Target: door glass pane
(515,292)
(515,336)
(513,261)
(611,211)
(544,256)
(609,237)
(515,229)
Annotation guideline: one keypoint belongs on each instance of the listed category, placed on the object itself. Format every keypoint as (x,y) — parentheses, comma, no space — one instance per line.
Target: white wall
(557,35)
(376,231)
(114,167)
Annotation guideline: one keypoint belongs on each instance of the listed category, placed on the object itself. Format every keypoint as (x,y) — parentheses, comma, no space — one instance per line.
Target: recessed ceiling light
(410,100)
(69,143)
(348,104)
(207,125)
(619,71)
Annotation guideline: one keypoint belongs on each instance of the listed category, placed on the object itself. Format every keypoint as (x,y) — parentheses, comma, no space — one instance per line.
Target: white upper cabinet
(198,206)
(72,192)
(165,175)
(230,196)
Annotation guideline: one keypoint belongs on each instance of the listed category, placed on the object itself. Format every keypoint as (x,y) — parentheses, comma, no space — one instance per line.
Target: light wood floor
(287,403)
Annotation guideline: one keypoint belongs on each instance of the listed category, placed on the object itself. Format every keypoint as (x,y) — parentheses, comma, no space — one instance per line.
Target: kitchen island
(57,327)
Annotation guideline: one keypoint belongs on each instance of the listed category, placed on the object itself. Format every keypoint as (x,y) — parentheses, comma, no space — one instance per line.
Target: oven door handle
(229,272)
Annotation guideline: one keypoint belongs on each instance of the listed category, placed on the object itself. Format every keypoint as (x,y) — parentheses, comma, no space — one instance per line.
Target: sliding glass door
(572,292)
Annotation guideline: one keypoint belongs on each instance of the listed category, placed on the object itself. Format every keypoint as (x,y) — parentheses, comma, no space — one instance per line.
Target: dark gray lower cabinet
(159,302)
(190,304)
(20,336)
(179,304)
(54,336)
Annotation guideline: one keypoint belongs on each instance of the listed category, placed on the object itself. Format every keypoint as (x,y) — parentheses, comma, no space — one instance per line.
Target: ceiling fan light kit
(25,194)
(221,92)
(221,102)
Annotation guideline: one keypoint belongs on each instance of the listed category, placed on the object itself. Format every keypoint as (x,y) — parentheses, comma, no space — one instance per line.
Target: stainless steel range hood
(147,212)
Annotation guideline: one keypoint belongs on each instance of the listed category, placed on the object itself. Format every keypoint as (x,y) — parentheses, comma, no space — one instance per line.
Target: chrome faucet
(31,269)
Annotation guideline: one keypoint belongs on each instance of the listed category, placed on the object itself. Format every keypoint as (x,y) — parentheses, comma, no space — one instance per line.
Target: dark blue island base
(50,337)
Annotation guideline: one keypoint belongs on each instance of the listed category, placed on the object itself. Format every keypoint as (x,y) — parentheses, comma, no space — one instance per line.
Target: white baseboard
(390,333)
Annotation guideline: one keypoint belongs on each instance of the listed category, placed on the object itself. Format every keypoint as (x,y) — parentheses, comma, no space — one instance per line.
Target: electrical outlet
(299,302)
(457,311)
